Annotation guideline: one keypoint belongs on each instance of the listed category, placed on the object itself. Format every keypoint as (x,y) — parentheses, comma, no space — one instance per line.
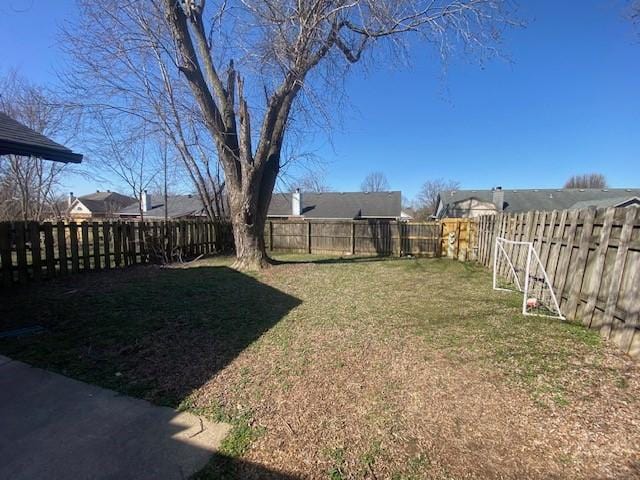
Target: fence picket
(5,254)
(73,238)
(600,254)
(36,250)
(108,234)
(62,248)
(618,268)
(48,249)
(86,257)
(95,231)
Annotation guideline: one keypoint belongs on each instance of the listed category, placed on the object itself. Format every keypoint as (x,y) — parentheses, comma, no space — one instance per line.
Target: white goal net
(517,267)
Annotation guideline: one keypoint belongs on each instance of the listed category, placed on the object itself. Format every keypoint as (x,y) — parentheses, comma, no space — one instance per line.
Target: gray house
(154,208)
(336,206)
(296,205)
(98,205)
(473,203)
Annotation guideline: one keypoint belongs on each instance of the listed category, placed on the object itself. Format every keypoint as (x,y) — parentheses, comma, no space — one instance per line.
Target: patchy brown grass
(369,368)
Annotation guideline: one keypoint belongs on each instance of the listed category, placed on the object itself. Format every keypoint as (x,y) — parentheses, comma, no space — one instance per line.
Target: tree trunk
(249,204)
(251,253)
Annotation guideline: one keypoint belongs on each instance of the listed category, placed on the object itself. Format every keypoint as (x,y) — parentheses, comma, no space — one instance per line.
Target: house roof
(540,199)
(105,202)
(339,205)
(18,139)
(177,206)
(606,202)
(315,205)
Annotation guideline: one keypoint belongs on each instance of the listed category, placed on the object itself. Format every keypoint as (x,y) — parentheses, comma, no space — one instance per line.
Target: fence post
(353,237)
(309,237)
(271,235)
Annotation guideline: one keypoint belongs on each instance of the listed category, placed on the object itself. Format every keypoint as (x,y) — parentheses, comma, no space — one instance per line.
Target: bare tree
(29,186)
(124,74)
(634,12)
(375,182)
(128,157)
(427,199)
(587,180)
(313,181)
(250,63)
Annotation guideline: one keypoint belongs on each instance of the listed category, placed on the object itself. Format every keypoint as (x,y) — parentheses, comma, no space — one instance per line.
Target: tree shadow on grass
(154,333)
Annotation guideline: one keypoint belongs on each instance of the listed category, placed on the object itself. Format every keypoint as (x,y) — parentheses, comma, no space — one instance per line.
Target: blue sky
(568,102)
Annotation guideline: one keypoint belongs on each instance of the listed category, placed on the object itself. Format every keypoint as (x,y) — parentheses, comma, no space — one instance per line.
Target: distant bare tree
(427,199)
(635,12)
(312,181)
(235,75)
(587,180)
(375,182)
(128,157)
(30,187)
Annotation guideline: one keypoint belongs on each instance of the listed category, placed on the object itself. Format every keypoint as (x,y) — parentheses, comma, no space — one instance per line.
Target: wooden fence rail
(35,251)
(592,258)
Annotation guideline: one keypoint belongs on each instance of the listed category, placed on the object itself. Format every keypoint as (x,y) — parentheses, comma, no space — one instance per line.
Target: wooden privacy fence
(459,238)
(34,251)
(592,258)
(354,237)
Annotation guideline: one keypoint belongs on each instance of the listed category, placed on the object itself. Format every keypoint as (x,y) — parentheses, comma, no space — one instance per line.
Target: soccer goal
(517,267)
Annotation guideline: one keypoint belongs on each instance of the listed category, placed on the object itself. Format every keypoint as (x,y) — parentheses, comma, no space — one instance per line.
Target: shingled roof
(340,205)
(18,139)
(178,206)
(105,202)
(541,199)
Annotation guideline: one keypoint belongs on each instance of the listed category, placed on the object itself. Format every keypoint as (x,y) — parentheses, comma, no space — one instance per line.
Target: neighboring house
(473,203)
(154,208)
(328,206)
(98,205)
(336,205)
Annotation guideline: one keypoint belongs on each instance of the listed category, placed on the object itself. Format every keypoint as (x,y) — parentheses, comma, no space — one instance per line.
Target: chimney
(71,199)
(498,198)
(296,203)
(145,201)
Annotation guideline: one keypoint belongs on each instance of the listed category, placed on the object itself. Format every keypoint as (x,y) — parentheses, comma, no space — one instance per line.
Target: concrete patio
(55,427)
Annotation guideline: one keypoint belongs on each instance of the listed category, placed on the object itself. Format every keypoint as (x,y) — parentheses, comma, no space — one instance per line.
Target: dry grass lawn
(354,369)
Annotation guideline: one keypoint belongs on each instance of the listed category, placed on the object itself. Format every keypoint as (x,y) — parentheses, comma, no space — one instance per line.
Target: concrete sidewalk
(54,427)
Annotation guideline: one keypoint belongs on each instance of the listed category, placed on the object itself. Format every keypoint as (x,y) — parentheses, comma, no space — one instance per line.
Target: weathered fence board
(30,251)
(592,258)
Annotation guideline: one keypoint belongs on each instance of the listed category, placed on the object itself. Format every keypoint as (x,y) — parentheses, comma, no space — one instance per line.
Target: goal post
(517,267)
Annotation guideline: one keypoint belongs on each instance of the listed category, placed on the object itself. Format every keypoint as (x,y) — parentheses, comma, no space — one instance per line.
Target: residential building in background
(336,206)
(474,203)
(98,205)
(178,207)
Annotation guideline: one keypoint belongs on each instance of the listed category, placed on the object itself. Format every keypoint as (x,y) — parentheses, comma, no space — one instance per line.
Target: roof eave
(8,147)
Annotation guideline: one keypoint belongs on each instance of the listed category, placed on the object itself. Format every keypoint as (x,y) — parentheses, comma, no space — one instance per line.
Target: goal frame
(532,255)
